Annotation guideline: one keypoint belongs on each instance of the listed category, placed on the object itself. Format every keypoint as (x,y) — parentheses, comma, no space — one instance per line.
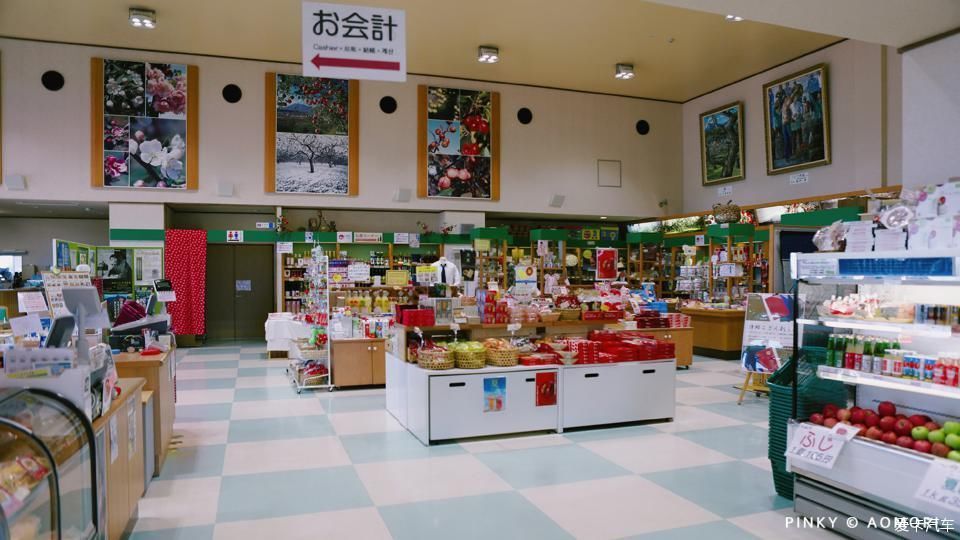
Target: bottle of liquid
(879,350)
(850,353)
(832,350)
(367,303)
(866,360)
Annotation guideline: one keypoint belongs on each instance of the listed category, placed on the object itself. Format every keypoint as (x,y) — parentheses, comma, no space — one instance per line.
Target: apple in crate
(920,433)
(936,436)
(829,422)
(905,441)
(886,423)
(886,409)
(843,415)
(919,419)
(858,416)
(861,430)
(951,427)
(871,419)
(922,446)
(954,455)
(816,418)
(953,441)
(830,410)
(889,437)
(940,450)
(932,426)
(873,432)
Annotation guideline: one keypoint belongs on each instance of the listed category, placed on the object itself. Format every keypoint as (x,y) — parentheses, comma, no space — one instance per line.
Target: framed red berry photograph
(458,143)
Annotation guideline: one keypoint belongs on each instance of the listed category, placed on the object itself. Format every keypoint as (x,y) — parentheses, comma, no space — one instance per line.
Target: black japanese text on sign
(353,42)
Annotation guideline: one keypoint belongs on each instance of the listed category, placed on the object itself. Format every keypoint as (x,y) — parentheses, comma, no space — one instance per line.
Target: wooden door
(220,285)
(254,287)
(351,363)
(378,362)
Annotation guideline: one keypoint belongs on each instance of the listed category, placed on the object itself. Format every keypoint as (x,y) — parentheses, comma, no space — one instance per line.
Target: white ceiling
(52,209)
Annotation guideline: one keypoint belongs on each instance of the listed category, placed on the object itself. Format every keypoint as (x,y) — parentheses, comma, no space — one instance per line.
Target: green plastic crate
(814,394)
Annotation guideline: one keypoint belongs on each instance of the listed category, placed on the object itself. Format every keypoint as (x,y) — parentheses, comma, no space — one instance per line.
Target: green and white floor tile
(255,460)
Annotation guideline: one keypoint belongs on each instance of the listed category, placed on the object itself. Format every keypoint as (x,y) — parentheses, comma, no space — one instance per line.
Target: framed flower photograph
(796,116)
(458,143)
(143,125)
(312,135)
(721,144)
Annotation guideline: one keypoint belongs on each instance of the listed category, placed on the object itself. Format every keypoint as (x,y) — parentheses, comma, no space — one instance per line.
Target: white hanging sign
(284,247)
(941,485)
(344,237)
(354,42)
(31,302)
(358,272)
(401,238)
(368,238)
(818,445)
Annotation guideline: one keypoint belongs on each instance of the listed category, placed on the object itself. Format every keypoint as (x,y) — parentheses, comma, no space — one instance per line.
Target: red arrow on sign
(319,61)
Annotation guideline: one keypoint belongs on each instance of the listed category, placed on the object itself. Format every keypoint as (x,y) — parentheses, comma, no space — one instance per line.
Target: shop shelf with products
(645,255)
(685,264)
(549,247)
(878,323)
(48,450)
(309,365)
(731,256)
(490,243)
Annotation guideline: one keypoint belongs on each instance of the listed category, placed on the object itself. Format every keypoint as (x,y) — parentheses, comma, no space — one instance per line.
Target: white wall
(46,138)
(855,86)
(35,235)
(931,112)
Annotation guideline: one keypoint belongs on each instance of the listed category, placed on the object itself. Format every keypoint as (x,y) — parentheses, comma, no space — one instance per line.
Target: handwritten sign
(397,278)
(818,445)
(401,238)
(31,302)
(358,272)
(941,485)
(426,275)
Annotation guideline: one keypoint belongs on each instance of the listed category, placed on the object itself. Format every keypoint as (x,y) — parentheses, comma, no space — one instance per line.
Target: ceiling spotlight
(143,18)
(603,217)
(733,18)
(624,72)
(488,55)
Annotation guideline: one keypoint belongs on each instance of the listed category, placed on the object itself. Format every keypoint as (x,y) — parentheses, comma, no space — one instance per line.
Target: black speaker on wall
(643,127)
(388,104)
(232,93)
(524,116)
(52,80)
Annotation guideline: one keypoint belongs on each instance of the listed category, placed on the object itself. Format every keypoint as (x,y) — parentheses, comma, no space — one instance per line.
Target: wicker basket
(502,357)
(570,314)
(553,316)
(471,360)
(435,359)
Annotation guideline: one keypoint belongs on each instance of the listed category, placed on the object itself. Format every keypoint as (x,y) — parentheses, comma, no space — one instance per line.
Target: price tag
(284,247)
(818,445)
(31,302)
(941,485)
(513,327)
(454,327)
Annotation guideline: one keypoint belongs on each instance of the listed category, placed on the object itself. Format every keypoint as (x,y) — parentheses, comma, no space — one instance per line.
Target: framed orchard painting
(721,144)
(144,124)
(458,143)
(796,116)
(312,141)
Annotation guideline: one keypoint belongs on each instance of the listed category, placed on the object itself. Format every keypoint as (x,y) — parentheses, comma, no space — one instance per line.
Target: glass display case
(48,468)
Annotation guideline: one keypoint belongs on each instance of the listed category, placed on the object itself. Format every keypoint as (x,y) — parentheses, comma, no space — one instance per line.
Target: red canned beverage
(897,366)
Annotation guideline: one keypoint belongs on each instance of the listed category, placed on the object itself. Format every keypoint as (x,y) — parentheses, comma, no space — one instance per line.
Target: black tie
(443,273)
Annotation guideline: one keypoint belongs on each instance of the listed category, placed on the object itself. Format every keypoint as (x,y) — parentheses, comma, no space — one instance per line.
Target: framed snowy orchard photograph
(312,139)
(143,124)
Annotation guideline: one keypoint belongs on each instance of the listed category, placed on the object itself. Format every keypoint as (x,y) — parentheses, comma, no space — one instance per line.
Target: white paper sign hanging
(941,485)
(354,42)
(401,238)
(284,247)
(818,445)
(31,302)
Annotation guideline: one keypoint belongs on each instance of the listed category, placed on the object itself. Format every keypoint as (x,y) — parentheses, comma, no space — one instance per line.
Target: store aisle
(257,461)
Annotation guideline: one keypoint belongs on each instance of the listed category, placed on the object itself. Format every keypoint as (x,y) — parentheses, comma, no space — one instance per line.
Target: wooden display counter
(682,339)
(159,372)
(716,332)
(358,361)
(122,455)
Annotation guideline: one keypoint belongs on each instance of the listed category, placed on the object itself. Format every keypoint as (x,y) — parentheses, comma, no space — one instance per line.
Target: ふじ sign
(354,42)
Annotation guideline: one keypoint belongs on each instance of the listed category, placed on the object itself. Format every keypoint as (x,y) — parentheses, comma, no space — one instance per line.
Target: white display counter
(453,404)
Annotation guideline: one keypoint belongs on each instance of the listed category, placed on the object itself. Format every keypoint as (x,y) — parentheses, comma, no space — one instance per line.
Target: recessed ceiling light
(733,18)
(488,55)
(603,217)
(143,18)
(624,72)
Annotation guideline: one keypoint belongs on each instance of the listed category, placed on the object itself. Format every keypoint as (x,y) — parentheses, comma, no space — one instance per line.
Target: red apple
(830,410)
(858,416)
(886,409)
(871,419)
(829,422)
(939,449)
(816,418)
(900,416)
(932,426)
(922,446)
(918,419)
(905,441)
(887,423)
(855,409)
(875,433)
(861,430)
(903,427)
(889,437)
(843,414)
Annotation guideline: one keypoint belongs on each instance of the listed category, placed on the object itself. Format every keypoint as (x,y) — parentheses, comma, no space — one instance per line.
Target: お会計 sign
(354,42)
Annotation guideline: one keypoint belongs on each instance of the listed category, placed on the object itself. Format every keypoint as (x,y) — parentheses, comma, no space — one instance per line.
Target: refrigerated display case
(877,323)
(48,468)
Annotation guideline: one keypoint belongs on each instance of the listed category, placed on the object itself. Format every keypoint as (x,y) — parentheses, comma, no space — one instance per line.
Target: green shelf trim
(679,241)
(144,235)
(555,235)
(644,238)
(620,244)
(253,236)
(730,229)
(437,238)
(490,233)
(822,218)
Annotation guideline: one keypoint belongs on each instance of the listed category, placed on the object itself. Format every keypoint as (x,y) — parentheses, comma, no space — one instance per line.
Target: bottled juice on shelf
(831,350)
(866,358)
(950,371)
(879,351)
(850,353)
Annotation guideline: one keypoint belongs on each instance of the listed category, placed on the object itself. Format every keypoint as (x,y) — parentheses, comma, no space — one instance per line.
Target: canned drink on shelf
(897,367)
(929,365)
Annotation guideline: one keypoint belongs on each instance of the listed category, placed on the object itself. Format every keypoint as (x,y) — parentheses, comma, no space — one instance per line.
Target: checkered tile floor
(257,461)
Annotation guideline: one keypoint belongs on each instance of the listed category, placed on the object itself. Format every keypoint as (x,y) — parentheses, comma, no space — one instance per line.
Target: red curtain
(185,263)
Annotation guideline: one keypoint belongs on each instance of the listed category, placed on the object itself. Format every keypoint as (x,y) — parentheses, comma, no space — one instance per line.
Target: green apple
(951,427)
(919,433)
(954,455)
(936,436)
(953,441)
